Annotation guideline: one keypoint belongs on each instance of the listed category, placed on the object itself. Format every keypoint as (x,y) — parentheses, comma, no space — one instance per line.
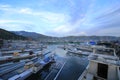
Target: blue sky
(62,17)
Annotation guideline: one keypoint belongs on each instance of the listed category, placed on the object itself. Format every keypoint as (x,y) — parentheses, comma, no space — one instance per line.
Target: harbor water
(68,66)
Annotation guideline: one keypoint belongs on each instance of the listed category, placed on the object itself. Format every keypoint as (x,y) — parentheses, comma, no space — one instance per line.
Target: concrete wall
(93,67)
(112,72)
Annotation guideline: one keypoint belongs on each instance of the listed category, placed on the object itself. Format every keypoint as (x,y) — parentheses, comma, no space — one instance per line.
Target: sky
(62,17)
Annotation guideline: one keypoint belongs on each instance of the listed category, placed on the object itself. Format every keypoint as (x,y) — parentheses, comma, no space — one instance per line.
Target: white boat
(79,52)
(103,65)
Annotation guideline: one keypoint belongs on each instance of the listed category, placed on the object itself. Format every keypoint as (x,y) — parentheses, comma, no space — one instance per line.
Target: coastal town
(59,39)
(28,58)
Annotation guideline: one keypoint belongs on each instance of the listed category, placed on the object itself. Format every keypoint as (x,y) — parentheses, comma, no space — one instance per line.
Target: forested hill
(4,34)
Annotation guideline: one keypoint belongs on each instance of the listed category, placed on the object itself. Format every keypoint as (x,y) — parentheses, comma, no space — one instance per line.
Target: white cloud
(81,33)
(62,29)
(61,19)
(7,21)
(112,31)
(25,11)
(11,27)
(17,27)
(49,17)
(68,29)
(53,17)
(4,21)
(4,6)
(82,22)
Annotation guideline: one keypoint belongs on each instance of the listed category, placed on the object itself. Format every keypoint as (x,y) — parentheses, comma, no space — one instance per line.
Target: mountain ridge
(38,36)
(32,35)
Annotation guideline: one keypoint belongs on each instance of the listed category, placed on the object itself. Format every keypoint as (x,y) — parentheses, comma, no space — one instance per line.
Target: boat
(33,68)
(79,52)
(85,48)
(103,65)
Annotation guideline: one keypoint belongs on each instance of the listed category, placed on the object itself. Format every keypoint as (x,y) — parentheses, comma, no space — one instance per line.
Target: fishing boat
(33,68)
(78,52)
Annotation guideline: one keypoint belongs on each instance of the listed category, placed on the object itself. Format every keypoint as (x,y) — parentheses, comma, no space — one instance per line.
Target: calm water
(73,68)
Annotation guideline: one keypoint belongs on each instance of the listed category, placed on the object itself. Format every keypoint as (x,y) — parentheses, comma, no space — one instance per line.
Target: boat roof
(105,51)
(105,56)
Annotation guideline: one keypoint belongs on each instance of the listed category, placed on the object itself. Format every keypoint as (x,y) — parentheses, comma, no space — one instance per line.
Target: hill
(44,38)
(33,35)
(4,34)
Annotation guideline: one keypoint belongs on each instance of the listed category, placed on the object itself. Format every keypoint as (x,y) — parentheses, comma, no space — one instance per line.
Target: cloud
(78,22)
(49,17)
(109,15)
(68,29)
(7,8)
(106,22)
(60,20)
(62,29)
(4,21)
(25,11)
(17,27)
(71,17)
(46,16)
(43,19)
(109,18)
(54,17)
(4,6)
(12,27)
(111,31)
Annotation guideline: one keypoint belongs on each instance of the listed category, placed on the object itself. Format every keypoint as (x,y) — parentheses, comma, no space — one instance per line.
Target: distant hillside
(33,35)
(4,34)
(37,36)
(93,37)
